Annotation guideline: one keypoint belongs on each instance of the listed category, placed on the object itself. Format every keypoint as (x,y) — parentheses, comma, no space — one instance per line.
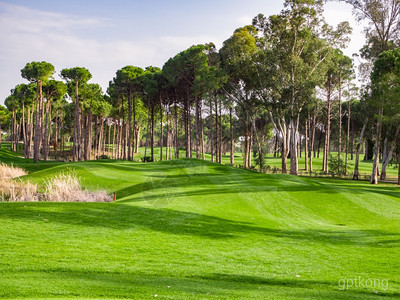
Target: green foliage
(336,165)
(55,90)
(37,71)
(25,93)
(77,74)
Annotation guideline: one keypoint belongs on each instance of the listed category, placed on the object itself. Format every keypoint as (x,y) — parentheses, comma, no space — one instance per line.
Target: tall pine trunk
(38,128)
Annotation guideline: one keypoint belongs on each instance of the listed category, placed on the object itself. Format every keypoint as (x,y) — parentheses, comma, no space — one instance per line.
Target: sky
(104,36)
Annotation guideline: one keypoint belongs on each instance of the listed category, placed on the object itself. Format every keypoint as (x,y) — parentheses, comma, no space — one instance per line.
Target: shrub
(146,159)
(103,156)
(336,165)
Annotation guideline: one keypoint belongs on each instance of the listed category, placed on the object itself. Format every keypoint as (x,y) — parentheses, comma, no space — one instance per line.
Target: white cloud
(32,35)
(62,39)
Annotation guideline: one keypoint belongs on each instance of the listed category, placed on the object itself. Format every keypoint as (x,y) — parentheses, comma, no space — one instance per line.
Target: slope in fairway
(194,229)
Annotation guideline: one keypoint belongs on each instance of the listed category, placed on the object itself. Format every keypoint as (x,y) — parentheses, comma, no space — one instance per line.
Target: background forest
(281,85)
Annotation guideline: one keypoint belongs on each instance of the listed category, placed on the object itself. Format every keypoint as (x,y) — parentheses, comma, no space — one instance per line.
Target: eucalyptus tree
(127,82)
(382,34)
(296,44)
(39,73)
(238,55)
(385,80)
(340,70)
(76,76)
(383,17)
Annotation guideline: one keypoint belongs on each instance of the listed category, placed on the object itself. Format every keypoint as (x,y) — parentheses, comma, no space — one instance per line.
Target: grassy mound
(194,229)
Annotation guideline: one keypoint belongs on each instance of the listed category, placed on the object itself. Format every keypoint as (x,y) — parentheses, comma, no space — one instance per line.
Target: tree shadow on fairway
(119,216)
(124,284)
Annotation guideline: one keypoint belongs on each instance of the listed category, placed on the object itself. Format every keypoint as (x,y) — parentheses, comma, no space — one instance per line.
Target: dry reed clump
(66,188)
(62,188)
(12,190)
(9,172)
(18,191)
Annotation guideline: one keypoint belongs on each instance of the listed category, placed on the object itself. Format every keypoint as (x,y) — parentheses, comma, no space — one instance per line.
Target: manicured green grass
(193,229)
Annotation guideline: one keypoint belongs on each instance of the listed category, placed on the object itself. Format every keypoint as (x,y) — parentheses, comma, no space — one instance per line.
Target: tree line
(281,84)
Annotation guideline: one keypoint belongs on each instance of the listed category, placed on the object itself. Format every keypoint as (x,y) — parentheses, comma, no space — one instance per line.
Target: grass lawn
(193,229)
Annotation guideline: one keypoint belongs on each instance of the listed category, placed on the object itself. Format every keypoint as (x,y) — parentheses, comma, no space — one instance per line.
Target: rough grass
(189,229)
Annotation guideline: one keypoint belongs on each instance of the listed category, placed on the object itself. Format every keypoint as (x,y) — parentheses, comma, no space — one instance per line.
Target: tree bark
(38,129)
(306,145)
(197,120)
(293,148)
(356,172)
(388,156)
(375,166)
(347,138)
(340,122)
(161,131)
(231,133)
(212,131)
(327,131)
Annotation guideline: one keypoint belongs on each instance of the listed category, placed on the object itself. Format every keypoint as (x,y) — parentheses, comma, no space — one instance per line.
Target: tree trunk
(375,166)
(340,122)
(327,132)
(245,143)
(46,132)
(24,129)
(38,129)
(203,153)
(161,131)
(220,134)
(167,149)
(306,145)
(31,133)
(388,156)
(135,138)
(249,145)
(294,167)
(217,133)
(231,136)
(285,144)
(347,138)
(356,172)
(197,120)
(176,132)
(311,147)
(152,134)
(130,126)
(212,131)
(398,173)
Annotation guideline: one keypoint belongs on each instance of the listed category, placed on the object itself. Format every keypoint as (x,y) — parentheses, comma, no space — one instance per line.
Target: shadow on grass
(122,216)
(213,285)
